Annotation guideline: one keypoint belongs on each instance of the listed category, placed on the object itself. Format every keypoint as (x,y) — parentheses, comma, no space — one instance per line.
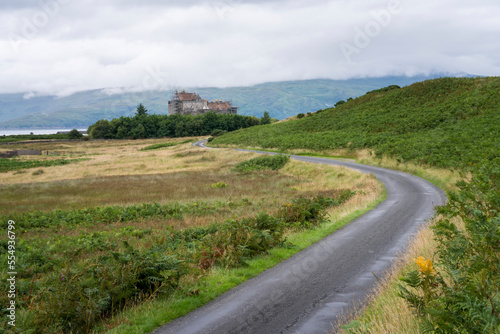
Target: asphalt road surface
(307,292)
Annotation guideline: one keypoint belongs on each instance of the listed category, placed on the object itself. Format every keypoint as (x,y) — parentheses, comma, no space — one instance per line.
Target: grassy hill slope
(447,122)
(280,99)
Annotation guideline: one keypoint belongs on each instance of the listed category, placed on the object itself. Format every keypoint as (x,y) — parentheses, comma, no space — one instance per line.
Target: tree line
(144,125)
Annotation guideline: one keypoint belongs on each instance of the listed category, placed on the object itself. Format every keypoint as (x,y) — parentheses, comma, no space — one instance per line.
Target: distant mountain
(280,99)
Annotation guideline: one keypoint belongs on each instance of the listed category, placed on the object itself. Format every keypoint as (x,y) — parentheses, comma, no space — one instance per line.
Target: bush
(75,134)
(300,115)
(81,295)
(234,241)
(463,295)
(303,212)
(274,162)
(385,89)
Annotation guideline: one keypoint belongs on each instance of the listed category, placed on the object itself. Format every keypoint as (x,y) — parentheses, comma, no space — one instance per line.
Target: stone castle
(184,103)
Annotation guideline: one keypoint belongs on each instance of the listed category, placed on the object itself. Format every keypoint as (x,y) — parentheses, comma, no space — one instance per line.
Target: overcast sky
(63,46)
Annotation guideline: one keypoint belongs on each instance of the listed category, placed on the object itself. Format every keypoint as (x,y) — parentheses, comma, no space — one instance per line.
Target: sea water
(10,132)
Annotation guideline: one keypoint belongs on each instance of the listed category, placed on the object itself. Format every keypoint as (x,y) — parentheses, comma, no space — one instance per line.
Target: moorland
(133,233)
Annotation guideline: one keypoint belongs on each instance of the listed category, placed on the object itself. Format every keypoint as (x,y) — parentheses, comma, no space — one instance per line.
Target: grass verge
(386,312)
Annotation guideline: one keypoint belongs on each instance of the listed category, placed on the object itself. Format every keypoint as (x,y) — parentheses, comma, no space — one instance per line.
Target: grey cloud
(93,44)
(33,4)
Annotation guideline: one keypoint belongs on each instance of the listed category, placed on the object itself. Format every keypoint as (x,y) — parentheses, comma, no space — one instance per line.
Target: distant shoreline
(41,131)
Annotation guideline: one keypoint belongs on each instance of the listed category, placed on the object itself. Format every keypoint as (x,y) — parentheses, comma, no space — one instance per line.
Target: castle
(184,103)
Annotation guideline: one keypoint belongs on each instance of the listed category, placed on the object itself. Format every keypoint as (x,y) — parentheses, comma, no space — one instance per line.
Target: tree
(74,134)
(141,110)
(122,132)
(266,119)
(139,132)
(218,132)
(101,130)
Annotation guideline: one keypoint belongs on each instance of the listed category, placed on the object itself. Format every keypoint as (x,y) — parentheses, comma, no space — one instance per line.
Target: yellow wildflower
(424,265)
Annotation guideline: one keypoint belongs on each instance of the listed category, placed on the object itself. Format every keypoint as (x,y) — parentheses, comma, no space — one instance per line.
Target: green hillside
(280,99)
(446,122)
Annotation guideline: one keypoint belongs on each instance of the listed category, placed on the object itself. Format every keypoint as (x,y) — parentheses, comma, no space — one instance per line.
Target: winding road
(309,291)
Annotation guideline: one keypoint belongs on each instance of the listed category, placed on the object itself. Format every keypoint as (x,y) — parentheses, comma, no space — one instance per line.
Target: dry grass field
(201,185)
(118,173)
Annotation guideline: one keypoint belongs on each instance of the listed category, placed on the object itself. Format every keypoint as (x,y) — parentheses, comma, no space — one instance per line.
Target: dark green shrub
(234,241)
(274,227)
(81,295)
(75,134)
(273,162)
(385,89)
(466,288)
(301,115)
(303,212)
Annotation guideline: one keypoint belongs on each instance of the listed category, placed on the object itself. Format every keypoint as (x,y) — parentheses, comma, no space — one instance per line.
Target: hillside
(281,99)
(445,122)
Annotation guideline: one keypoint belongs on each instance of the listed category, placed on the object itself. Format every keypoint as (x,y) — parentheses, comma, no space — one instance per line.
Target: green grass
(16,138)
(164,145)
(273,162)
(111,214)
(14,164)
(448,122)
